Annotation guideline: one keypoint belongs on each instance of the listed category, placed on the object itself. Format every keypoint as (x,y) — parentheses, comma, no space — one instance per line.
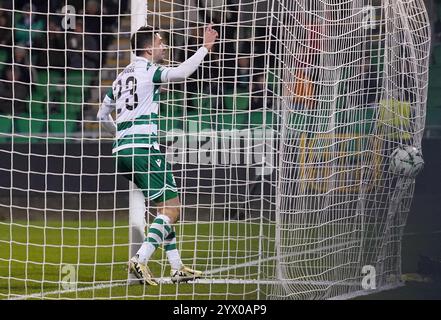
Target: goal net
(280,145)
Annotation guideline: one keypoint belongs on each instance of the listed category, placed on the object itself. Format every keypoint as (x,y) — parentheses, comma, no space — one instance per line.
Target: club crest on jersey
(158,162)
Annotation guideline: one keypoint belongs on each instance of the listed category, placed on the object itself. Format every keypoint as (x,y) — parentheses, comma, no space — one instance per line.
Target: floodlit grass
(36,258)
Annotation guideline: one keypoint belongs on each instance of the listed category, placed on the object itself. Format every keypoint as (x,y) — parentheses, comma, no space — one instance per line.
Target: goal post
(137,205)
(281,145)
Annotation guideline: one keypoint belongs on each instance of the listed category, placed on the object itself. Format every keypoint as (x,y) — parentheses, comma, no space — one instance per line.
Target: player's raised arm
(104,114)
(210,37)
(185,69)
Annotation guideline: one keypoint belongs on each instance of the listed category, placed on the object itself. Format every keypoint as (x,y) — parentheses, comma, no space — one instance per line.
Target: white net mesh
(355,78)
(279,144)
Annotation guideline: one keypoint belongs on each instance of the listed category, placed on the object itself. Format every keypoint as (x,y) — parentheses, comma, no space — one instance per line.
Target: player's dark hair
(142,39)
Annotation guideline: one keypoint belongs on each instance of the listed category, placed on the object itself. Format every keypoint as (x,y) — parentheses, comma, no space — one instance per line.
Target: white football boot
(141,271)
(185,274)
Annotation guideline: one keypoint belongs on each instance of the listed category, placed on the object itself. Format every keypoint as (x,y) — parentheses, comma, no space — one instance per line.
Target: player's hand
(210,37)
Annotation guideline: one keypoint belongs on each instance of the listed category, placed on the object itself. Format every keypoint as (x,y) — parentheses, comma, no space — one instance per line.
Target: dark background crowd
(34,43)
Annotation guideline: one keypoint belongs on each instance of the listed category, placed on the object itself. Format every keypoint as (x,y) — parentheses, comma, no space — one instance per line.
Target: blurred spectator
(22,64)
(116,6)
(98,26)
(213,11)
(56,45)
(13,92)
(6,92)
(300,92)
(194,85)
(92,20)
(192,43)
(29,28)
(24,74)
(55,56)
(5,40)
(259,91)
(243,78)
(7,4)
(82,49)
(5,30)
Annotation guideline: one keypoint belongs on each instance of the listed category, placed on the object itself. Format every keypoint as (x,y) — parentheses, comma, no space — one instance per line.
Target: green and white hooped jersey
(136,94)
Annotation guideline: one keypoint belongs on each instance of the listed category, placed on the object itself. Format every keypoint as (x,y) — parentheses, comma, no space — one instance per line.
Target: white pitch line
(168,281)
(251,263)
(58,292)
(255,281)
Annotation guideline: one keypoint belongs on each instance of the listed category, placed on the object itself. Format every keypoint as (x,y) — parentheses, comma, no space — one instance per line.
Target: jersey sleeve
(104,113)
(181,72)
(109,94)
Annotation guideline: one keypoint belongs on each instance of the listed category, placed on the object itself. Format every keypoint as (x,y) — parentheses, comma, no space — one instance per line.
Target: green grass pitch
(32,254)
